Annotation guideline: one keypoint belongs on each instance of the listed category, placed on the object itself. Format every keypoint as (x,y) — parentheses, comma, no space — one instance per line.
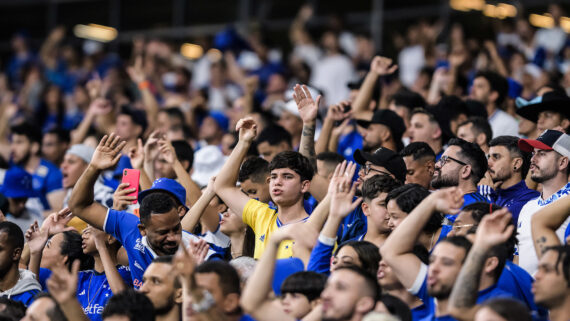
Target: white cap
(208,162)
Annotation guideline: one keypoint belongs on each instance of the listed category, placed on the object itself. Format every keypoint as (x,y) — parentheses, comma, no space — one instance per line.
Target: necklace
(89,301)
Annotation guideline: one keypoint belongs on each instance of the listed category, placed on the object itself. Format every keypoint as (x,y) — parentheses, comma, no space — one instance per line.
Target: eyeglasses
(368,168)
(444,159)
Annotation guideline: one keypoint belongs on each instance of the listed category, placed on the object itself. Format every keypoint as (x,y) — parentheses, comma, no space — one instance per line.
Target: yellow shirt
(263,220)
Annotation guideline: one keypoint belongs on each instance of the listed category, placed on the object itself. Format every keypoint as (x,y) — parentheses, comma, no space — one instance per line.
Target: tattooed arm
(308,109)
(545,223)
(495,229)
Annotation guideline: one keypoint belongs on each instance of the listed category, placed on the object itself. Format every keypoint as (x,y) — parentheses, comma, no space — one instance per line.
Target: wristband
(327,240)
(144,85)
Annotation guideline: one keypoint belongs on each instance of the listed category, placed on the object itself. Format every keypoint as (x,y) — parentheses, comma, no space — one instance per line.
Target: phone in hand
(132,176)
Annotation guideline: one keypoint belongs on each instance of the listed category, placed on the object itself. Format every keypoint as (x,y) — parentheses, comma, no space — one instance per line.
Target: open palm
(108,152)
(308,108)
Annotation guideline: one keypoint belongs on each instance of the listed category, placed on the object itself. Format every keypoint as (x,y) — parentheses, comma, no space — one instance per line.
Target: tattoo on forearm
(541,243)
(465,291)
(307,147)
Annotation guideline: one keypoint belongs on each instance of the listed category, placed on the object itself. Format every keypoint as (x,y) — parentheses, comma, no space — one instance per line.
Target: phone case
(132,176)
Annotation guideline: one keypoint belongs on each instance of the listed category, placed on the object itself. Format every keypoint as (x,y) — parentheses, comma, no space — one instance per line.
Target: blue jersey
(93,291)
(348,144)
(514,198)
(26,298)
(124,227)
(419,289)
(46,179)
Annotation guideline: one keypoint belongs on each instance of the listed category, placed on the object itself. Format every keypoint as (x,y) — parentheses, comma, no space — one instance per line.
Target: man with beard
(549,166)
(420,163)
(385,129)
(552,286)
(435,281)
(463,164)
(163,289)
(25,147)
(508,166)
(157,233)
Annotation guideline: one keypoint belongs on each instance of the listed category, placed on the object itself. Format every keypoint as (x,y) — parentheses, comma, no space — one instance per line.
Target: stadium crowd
(328,183)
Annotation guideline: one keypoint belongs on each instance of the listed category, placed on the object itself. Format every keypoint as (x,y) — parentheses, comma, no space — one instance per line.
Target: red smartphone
(132,177)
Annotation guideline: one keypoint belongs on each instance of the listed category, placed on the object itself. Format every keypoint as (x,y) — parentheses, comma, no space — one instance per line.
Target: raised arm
(493,230)
(136,154)
(308,109)
(36,240)
(108,258)
(62,285)
(380,66)
(545,223)
(200,210)
(81,201)
(225,184)
(397,250)
(136,73)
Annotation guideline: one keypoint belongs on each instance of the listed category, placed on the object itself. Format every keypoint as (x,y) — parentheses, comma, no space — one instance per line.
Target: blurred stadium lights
(214,55)
(191,51)
(95,32)
(499,11)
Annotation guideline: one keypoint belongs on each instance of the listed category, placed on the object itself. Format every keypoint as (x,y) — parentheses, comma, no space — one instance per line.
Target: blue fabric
(42,278)
(516,281)
(93,291)
(352,226)
(283,269)
(320,260)
(514,198)
(421,313)
(310,204)
(26,298)
(47,178)
(567,233)
(348,144)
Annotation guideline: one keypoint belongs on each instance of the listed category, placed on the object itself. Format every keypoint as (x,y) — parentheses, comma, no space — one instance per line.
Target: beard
(501,176)
(166,308)
(345,316)
(441,181)
(543,175)
(441,294)
(22,162)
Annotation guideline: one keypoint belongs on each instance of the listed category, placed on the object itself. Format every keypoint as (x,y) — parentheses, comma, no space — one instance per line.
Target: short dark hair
(368,254)
(15,234)
(418,150)
(409,99)
(370,281)
(479,125)
(254,168)
(408,196)
(377,184)
(274,135)
(167,259)
(71,247)
(458,241)
(174,112)
(509,309)
(497,83)
(158,202)
(130,303)
(184,152)
(137,116)
(330,157)
(32,132)
(563,252)
(475,156)
(15,310)
(512,144)
(431,116)
(294,161)
(55,313)
(227,274)
(62,134)
(308,283)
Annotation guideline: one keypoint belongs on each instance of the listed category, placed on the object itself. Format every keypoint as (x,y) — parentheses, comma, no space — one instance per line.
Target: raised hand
(120,198)
(136,72)
(36,238)
(57,222)
(99,237)
(136,154)
(99,106)
(382,66)
(342,195)
(94,87)
(167,151)
(247,129)
(151,146)
(342,171)
(108,152)
(308,108)
(62,284)
(494,229)
(184,263)
(336,112)
(447,200)
(199,250)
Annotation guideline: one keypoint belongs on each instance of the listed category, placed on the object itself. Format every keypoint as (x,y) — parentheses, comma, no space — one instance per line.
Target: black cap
(552,101)
(387,118)
(386,158)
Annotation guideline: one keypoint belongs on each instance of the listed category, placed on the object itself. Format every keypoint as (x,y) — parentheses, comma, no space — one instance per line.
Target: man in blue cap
(157,233)
(17,188)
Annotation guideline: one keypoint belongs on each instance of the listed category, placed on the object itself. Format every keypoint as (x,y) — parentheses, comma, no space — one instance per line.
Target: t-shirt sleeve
(419,288)
(53,180)
(251,212)
(119,224)
(321,257)
(125,273)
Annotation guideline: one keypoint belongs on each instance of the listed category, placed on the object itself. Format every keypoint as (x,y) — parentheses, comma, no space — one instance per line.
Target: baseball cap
(548,140)
(17,183)
(386,158)
(221,119)
(387,118)
(283,269)
(82,151)
(208,162)
(166,185)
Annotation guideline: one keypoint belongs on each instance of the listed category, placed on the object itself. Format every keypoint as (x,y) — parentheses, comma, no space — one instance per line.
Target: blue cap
(166,185)
(17,183)
(221,119)
(284,268)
